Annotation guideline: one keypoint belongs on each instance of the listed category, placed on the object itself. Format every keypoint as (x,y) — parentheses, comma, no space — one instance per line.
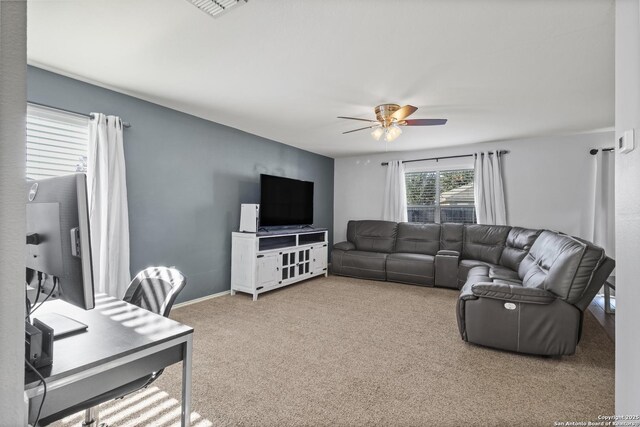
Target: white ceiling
(284,69)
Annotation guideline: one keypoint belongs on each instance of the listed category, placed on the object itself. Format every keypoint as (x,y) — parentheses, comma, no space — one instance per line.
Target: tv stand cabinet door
(319,259)
(243,263)
(288,265)
(268,271)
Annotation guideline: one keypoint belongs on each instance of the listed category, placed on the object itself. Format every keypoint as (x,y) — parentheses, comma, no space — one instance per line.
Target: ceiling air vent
(216,8)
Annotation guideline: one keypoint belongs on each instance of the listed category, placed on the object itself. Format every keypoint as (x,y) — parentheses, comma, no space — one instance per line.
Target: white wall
(13,69)
(627,210)
(548,181)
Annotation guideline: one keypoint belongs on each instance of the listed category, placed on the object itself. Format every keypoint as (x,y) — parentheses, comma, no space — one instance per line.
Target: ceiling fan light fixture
(392,132)
(377,133)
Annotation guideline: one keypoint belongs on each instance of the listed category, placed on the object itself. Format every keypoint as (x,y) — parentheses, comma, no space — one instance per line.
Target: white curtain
(395,194)
(604,202)
(108,208)
(489,190)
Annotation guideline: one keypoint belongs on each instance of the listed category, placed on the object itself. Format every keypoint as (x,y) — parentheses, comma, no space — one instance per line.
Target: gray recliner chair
(540,311)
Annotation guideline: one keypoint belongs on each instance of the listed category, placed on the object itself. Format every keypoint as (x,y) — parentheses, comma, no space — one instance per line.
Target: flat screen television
(285,201)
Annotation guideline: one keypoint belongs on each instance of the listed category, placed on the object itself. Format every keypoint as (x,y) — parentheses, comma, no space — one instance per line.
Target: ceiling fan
(389,118)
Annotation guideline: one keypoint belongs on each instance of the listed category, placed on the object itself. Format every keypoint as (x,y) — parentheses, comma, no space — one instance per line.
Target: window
(440,196)
(57,142)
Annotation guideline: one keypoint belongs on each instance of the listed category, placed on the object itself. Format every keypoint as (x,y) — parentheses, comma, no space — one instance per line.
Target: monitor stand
(62,325)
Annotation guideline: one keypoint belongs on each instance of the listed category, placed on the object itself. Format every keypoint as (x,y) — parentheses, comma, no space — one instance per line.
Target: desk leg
(186,382)
(26,410)
(607,299)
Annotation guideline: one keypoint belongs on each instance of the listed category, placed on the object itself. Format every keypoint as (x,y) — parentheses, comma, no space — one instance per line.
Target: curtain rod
(445,157)
(594,151)
(124,124)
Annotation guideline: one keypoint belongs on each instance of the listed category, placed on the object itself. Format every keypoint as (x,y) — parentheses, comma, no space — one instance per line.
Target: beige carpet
(346,352)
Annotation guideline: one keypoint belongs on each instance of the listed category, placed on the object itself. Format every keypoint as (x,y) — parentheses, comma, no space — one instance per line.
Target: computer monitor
(58,237)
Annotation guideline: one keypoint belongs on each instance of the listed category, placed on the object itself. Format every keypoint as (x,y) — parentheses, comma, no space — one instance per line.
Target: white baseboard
(197,300)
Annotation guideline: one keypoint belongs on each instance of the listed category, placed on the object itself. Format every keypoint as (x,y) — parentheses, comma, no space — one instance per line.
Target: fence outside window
(440,196)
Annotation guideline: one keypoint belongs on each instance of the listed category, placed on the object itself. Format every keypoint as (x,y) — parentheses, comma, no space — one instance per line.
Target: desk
(123,342)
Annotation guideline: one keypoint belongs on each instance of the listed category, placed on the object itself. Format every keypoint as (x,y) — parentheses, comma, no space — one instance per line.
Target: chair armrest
(513,293)
(466,293)
(444,252)
(344,246)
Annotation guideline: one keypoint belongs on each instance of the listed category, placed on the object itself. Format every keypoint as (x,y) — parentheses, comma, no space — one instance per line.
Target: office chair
(154,289)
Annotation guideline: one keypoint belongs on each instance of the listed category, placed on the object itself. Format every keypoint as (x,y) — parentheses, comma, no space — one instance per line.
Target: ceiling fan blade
(404,112)
(355,118)
(425,122)
(356,130)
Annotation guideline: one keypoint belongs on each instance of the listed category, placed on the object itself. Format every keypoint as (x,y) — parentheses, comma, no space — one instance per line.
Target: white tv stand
(264,261)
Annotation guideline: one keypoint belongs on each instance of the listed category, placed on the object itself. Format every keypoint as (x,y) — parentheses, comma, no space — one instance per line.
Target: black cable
(28,303)
(39,287)
(44,384)
(27,309)
(53,288)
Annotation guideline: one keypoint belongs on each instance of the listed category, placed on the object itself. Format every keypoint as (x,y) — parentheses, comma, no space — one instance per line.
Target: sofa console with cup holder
(521,290)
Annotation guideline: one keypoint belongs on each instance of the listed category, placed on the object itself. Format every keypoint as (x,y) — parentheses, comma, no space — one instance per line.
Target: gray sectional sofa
(521,290)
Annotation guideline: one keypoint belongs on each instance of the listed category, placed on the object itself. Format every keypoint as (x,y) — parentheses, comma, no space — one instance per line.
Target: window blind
(457,196)
(422,194)
(57,142)
(456,188)
(421,188)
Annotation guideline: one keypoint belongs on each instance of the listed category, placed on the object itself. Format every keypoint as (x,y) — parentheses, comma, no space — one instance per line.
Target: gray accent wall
(186,179)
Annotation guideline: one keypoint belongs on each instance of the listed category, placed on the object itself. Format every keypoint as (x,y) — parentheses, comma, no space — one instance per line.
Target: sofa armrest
(466,293)
(513,293)
(344,246)
(444,252)
(446,266)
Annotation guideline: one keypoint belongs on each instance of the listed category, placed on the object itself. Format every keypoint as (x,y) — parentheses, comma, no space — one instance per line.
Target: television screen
(285,201)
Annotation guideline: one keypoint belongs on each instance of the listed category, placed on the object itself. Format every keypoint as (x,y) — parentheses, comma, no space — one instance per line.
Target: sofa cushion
(418,238)
(499,272)
(484,242)
(484,273)
(451,237)
(560,264)
(373,236)
(344,246)
(368,265)
(477,274)
(519,241)
(417,269)
(465,267)
(507,281)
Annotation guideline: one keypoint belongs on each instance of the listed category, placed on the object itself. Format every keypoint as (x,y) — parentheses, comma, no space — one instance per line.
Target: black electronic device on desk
(38,341)
(58,261)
